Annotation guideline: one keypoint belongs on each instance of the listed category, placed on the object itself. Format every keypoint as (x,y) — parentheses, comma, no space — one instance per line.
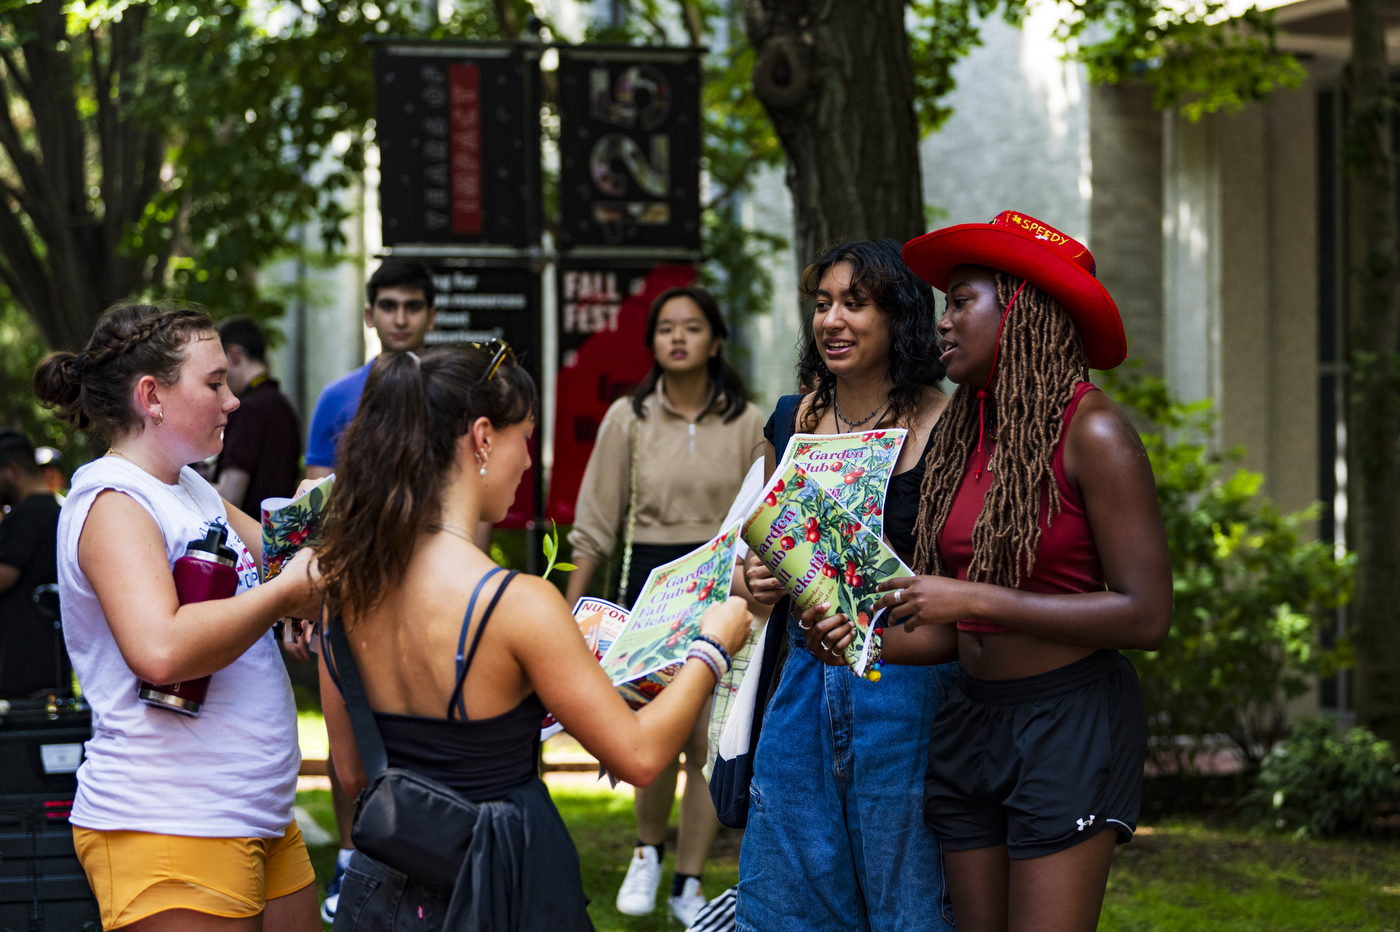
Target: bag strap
(356,702)
(632,432)
(455,702)
(785,422)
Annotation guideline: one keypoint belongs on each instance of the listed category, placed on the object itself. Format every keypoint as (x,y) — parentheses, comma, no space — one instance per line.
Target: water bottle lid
(213,547)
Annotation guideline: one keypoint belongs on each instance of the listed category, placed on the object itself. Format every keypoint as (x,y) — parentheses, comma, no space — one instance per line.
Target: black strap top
(482,759)
(902,499)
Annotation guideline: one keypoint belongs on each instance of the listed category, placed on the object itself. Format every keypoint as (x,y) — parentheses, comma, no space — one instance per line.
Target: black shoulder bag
(404,820)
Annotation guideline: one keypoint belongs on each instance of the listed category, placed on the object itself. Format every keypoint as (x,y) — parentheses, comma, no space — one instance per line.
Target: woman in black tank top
(460,659)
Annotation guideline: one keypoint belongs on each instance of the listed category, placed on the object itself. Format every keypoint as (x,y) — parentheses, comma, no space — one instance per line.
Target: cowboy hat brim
(933,257)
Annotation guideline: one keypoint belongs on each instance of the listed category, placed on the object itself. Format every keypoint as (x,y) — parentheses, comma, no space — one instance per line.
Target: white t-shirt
(745,502)
(231,772)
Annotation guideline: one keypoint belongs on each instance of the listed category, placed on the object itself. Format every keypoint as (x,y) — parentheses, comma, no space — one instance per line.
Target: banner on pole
(603,355)
(458,133)
(629,148)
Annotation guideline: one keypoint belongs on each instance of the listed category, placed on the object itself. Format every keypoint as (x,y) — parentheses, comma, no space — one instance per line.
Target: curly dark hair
(878,267)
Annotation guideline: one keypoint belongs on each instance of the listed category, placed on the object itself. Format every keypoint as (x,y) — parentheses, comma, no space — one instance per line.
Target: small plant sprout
(551,551)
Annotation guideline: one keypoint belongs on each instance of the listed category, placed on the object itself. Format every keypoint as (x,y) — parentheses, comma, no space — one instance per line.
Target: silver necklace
(850,423)
(456,531)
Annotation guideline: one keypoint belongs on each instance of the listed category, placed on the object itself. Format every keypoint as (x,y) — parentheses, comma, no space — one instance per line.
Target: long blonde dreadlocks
(1040,360)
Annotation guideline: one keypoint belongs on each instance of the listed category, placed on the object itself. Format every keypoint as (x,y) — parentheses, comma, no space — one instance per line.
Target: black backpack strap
(455,703)
(356,702)
(785,423)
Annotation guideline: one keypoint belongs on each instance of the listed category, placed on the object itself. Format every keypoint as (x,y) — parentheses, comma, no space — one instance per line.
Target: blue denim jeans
(836,837)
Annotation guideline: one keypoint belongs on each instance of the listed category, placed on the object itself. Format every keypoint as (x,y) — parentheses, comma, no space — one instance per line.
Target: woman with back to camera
(834,838)
(690,434)
(435,447)
(180,823)
(1041,554)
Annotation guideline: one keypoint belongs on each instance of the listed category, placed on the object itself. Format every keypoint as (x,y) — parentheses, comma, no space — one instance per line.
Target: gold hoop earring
(160,419)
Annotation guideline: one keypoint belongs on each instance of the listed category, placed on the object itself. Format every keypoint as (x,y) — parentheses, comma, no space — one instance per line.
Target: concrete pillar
(1191,256)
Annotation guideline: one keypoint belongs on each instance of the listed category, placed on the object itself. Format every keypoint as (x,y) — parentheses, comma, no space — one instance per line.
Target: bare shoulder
(1100,426)
(536,603)
(1102,446)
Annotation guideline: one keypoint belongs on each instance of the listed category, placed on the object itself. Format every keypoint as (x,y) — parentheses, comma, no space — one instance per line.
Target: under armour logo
(1084,823)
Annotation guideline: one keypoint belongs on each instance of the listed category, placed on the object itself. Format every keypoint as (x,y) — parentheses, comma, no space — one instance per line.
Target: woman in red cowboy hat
(1041,554)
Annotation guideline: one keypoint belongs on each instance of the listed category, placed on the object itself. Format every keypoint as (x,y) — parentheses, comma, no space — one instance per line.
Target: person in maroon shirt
(1041,554)
(262,443)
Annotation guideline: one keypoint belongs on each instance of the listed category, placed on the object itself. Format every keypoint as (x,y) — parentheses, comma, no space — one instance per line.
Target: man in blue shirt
(401,310)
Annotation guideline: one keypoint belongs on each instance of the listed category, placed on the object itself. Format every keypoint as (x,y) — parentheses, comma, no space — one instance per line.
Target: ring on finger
(802,626)
(899,596)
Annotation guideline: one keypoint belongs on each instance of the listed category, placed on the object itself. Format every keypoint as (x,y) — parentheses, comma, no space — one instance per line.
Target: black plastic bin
(42,885)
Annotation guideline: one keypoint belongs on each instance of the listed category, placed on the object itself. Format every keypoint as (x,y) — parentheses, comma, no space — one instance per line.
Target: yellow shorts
(138,874)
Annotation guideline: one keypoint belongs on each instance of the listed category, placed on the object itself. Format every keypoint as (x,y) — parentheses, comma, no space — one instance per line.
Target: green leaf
(566,567)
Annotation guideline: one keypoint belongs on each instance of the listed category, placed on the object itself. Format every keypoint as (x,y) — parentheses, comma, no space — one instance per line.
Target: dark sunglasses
(502,352)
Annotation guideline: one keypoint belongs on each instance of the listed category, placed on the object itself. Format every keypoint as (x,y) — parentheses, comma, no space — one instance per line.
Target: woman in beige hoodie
(692,435)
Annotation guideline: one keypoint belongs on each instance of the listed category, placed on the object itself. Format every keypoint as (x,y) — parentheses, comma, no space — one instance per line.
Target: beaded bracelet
(872,659)
(711,639)
(721,661)
(705,658)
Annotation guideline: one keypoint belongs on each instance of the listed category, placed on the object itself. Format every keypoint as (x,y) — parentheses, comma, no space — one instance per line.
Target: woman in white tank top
(180,822)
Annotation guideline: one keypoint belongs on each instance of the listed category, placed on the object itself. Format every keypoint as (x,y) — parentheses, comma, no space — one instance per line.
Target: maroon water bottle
(205,572)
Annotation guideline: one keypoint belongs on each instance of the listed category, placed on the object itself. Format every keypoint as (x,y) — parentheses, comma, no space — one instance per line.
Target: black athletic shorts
(1038,764)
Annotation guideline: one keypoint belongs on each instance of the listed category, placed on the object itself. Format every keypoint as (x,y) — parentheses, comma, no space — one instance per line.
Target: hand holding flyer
(288,524)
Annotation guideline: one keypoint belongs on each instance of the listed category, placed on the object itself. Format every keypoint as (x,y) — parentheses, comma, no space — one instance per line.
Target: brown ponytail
(93,390)
(394,458)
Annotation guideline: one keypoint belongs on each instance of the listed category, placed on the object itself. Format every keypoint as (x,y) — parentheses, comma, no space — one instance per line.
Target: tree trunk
(1374,427)
(836,80)
(77,266)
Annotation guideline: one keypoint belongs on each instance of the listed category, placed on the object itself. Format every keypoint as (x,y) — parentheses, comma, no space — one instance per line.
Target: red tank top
(1066,559)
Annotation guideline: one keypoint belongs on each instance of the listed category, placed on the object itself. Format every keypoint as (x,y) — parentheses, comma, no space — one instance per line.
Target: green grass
(1186,876)
(1183,877)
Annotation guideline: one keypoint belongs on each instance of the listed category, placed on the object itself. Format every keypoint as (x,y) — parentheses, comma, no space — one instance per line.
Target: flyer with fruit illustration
(666,615)
(599,621)
(821,551)
(288,524)
(855,468)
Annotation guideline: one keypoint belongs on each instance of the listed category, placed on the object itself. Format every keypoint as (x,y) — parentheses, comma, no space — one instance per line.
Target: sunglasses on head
(502,352)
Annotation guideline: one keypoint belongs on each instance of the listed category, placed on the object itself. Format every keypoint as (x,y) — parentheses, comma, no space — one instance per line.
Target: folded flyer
(821,551)
(666,615)
(855,468)
(288,524)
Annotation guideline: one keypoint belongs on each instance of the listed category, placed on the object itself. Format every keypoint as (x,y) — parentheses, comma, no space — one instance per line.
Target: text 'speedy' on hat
(1039,253)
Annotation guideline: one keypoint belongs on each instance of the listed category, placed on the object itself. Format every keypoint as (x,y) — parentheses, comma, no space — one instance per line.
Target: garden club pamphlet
(818,526)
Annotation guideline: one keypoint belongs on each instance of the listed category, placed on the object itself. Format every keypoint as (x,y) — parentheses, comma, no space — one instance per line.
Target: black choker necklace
(850,423)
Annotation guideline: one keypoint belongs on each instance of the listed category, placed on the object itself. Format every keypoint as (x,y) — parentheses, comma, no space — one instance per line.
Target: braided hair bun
(92,390)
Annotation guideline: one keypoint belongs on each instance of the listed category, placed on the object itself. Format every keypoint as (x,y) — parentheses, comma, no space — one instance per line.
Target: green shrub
(1248,592)
(1319,782)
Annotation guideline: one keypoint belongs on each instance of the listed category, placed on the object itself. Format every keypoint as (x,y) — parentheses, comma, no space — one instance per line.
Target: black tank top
(482,759)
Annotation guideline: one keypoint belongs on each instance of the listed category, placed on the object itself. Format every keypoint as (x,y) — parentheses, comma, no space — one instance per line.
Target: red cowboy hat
(1038,253)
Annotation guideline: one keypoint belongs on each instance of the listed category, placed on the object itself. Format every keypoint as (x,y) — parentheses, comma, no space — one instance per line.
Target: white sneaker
(638,894)
(687,906)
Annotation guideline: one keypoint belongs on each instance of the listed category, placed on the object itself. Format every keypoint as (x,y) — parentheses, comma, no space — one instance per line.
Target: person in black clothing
(262,443)
(438,444)
(32,658)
